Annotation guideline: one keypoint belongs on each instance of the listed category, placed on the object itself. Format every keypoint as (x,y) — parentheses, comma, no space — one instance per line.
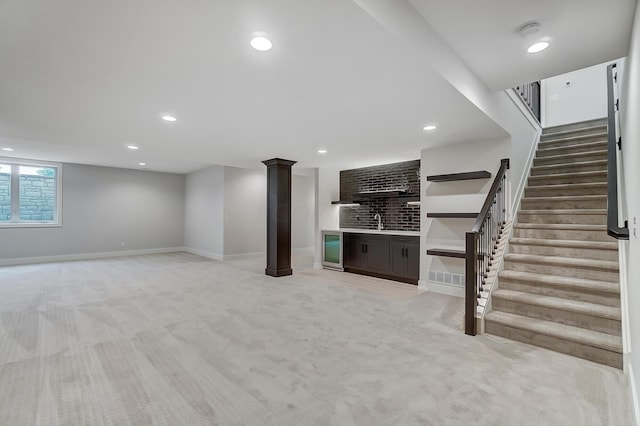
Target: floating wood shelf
(480,174)
(460,254)
(453,215)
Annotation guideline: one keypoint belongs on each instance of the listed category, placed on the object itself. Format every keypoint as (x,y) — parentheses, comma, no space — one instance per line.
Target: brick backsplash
(396,214)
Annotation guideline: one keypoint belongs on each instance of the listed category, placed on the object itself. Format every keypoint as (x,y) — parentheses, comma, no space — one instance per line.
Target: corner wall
(225,212)
(203,223)
(102,208)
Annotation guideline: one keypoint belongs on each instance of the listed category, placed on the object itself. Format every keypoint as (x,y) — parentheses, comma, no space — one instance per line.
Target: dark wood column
(278,217)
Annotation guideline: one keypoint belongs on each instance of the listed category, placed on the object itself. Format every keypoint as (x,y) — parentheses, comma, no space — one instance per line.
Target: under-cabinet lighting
(349,205)
(8,149)
(169,118)
(413,203)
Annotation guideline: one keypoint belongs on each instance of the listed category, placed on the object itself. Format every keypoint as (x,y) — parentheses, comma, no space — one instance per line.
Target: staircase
(560,285)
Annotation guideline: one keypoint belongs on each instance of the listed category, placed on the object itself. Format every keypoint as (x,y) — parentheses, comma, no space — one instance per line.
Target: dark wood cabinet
(405,257)
(386,256)
(366,252)
(354,254)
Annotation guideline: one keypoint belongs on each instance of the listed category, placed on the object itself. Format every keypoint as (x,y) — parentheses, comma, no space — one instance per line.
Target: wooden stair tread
(562,226)
(601,265)
(569,174)
(570,185)
(568,198)
(591,129)
(562,331)
(600,245)
(572,165)
(565,212)
(564,282)
(559,303)
(574,142)
(573,155)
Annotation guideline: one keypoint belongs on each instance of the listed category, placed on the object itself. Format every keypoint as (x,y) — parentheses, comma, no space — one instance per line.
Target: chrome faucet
(380,225)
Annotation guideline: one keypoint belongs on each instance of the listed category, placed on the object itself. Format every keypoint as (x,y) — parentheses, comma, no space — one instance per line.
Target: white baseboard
(242,255)
(203,253)
(441,288)
(634,394)
(262,253)
(86,256)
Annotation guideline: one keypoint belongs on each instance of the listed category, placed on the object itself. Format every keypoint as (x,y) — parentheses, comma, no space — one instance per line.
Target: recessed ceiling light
(8,149)
(429,127)
(261,42)
(169,118)
(322,151)
(132,147)
(142,164)
(538,47)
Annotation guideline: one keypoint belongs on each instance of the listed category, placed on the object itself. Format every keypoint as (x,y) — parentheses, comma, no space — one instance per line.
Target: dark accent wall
(396,214)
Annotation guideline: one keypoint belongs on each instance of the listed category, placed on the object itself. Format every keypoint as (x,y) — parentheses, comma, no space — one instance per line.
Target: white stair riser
(588,189)
(570,158)
(563,271)
(545,150)
(573,145)
(597,177)
(554,169)
(570,293)
(585,219)
(560,204)
(561,234)
(581,253)
(591,353)
(576,319)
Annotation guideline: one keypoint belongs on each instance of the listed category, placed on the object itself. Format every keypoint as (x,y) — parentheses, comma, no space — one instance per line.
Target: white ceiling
(485,35)
(81,80)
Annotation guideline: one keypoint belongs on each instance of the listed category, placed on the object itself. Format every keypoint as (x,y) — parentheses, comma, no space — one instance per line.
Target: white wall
(225,211)
(245,207)
(448,197)
(630,111)
(203,224)
(576,96)
(302,211)
(102,208)
(245,219)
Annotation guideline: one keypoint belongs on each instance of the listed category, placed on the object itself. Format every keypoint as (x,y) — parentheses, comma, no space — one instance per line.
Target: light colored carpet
(176,339)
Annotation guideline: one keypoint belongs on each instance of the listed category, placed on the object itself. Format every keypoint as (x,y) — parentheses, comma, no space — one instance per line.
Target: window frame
(15,221)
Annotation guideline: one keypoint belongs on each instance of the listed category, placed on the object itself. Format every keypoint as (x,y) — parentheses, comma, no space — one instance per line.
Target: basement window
(30,194)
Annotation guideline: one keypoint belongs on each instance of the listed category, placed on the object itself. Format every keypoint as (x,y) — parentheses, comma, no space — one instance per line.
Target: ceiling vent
(529,29)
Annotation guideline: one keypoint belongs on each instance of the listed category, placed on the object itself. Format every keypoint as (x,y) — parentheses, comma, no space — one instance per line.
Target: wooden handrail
(504,165)
(613,227)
